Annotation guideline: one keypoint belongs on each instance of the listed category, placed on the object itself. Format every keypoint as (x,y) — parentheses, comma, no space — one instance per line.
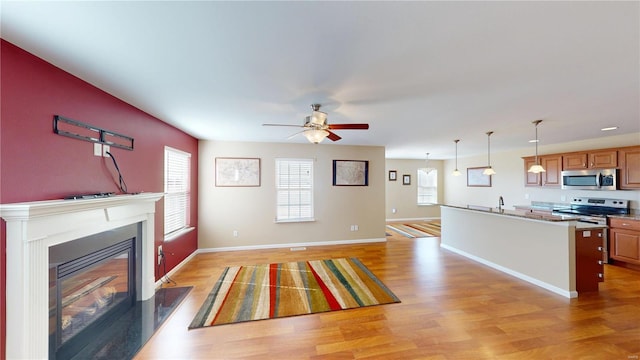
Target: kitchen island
(535,247)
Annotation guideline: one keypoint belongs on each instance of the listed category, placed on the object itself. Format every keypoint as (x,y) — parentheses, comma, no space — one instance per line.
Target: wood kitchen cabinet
(605,159)
(530,179)
(553,166)
(624,240)
(550,178)
(629,168)
(589,259)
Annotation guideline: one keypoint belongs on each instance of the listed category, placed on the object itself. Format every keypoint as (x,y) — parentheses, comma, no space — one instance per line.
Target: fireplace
(92,281)
(48,242)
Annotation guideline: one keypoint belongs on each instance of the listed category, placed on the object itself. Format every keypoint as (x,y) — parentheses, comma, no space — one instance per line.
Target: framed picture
(475,177)
(406,179)
(350,173)
(393,175)
(237,171)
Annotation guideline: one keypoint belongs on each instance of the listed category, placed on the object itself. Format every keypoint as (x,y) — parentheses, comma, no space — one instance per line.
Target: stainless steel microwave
(592,179)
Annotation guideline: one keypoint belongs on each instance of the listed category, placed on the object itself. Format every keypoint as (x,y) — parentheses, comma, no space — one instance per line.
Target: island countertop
(518,213)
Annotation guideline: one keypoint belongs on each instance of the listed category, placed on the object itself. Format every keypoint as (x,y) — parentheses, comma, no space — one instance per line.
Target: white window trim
(295,220)
(186,228)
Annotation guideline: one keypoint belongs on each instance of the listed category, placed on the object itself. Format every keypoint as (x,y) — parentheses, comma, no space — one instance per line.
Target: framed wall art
(406,179)
(350,173)
(475,177)
(393,175)
(237,171)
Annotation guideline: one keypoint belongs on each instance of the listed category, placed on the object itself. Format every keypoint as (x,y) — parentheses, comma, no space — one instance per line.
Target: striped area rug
(416,230)
(246,293)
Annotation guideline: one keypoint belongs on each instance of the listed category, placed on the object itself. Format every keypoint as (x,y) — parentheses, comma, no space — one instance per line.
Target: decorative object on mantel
(393,175)
(476,177)
(78,130)
(489,170)
(456,172)
(406,179)
(351,173)
(536,168)
(237,172)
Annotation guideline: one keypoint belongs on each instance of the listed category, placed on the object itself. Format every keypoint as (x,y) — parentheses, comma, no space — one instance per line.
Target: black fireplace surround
(92,281)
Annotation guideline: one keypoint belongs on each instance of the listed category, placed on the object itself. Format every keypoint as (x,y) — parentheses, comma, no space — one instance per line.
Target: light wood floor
(452,308)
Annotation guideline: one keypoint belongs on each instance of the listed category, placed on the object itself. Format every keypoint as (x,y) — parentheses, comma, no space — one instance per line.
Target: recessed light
(609,128)
(534,141)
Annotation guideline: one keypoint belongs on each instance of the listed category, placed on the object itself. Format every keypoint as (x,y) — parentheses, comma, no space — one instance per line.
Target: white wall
(251,210)
(509,179)
(404,198)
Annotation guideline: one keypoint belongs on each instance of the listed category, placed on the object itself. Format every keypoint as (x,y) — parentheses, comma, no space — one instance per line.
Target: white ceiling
(420,73)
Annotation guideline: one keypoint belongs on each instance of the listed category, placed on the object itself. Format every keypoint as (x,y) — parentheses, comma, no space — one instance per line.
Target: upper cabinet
(630,168)
(590,160)
(626,160)
(550,178)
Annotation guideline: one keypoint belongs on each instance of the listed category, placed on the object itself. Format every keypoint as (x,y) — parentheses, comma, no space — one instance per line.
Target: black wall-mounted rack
(78,130)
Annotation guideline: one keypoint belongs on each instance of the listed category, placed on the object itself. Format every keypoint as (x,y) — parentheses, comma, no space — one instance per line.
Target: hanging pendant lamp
(456,172)
(489,170)
(536,168)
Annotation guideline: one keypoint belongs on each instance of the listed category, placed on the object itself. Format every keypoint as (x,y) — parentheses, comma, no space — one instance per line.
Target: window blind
(294,188)
(427,186)
(177,182)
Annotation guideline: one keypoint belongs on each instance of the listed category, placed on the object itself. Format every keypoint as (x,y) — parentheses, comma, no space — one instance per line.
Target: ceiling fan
(316,127)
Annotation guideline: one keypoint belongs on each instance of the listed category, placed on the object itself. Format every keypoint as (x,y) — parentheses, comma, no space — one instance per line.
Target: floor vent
(299,248)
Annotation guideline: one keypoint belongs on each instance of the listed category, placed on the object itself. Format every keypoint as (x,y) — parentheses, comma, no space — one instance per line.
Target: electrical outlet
(356,228)
(105,150)
(160,254)
(235,233)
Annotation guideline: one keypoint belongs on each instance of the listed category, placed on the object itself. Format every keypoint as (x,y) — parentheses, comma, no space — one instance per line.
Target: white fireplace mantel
(33,227)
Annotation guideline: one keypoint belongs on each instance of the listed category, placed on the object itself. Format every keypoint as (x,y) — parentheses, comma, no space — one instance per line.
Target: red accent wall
(36,164)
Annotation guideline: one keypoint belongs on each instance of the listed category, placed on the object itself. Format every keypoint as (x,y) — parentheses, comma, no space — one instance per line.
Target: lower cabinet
(624,240)
(589,259)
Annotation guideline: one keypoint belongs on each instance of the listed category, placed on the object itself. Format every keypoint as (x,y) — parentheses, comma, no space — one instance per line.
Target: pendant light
(536,168)
(489,170)
(426,164)
(456,172)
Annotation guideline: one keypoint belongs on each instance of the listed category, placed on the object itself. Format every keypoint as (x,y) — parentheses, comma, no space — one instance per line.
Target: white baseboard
(413,219)
(292,245)
(521,276)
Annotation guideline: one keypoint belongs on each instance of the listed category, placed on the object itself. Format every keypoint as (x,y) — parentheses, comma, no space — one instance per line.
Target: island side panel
(541,252)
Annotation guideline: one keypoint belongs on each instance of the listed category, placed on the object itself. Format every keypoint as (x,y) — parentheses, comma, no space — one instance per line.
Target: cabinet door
(553,165)
(630,168)
(530,179)
(574,161)
(625,245)
(603,159)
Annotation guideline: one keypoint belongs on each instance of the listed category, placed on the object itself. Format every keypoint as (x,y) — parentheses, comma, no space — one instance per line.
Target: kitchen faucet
(500,203)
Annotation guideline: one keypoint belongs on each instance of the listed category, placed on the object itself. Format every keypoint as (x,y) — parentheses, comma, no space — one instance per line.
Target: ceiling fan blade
(333,136)
(349,126)
(282,125)
(294,135)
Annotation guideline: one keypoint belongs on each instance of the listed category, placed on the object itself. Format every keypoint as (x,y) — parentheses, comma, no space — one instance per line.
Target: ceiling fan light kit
(315,136)
(536,168)
(489,170)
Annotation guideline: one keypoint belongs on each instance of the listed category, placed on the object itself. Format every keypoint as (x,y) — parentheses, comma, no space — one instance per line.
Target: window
(427,186)
(294,187)
(177,188)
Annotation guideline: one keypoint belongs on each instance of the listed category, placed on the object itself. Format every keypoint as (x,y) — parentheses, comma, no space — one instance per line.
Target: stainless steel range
(595,211)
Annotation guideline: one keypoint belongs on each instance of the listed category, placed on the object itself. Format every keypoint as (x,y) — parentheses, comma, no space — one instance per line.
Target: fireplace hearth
(35,228)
